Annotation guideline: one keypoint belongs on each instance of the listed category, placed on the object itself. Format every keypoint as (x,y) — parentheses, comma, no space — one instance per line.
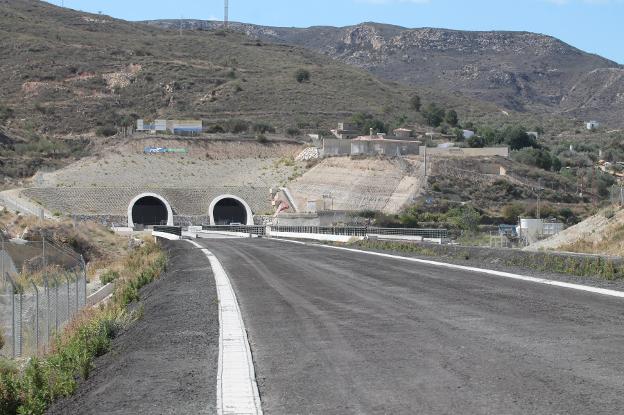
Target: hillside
(602,233)
(516,70)
(65,72)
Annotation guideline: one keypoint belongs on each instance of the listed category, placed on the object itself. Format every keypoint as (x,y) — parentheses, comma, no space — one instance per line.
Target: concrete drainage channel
(237,390)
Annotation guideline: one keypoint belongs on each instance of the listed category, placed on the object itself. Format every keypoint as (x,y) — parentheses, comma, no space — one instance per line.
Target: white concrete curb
(237,390)
(315,236)
(166,235)
(100,295)
(578,287)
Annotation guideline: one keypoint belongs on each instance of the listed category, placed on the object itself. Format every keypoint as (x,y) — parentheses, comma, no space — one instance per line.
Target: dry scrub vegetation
(98,245)
(30,389)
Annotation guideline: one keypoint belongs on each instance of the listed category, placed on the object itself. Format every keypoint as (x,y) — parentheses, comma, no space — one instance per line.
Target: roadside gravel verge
(166,363)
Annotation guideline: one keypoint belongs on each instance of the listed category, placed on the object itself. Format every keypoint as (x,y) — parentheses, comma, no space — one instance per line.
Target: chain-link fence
(43,285)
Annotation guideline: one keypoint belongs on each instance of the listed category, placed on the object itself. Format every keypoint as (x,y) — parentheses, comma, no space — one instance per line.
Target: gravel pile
(310,153)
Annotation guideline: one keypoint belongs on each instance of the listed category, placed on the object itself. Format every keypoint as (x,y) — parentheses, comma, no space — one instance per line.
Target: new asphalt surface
(335,332)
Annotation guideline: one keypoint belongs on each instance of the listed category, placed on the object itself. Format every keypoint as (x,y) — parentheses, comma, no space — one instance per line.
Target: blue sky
(591,25)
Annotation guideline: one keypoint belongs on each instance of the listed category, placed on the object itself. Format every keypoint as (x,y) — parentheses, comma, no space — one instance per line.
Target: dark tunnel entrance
(228,211)
(148,211)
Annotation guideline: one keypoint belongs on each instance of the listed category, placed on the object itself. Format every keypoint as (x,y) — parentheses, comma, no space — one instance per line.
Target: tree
(511,213)
(535,157)
(517,138)
(433,114)
(302,75)
(106,131)
(490,136)
(5,113)
(556,163)
(415,103)
(263,128)
(458,133)
(476,141)
(465,217)
(365,122)
(451,118)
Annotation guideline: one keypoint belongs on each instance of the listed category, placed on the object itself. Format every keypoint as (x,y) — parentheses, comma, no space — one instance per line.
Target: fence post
(13,338)
(77,278)
(36,317)
(49,313)
(84,272)
(56,307)
(68,297)
(21,325)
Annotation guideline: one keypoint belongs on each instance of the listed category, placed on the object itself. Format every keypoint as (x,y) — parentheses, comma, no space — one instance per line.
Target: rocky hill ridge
(517,70)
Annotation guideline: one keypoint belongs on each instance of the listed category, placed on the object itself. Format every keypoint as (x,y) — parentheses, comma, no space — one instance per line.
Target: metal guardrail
(174,230)
(425,233)
(323,230)
(252,229)
(332,230)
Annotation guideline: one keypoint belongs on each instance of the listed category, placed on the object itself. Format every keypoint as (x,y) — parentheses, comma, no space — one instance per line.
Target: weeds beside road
(549,262)
(31,389)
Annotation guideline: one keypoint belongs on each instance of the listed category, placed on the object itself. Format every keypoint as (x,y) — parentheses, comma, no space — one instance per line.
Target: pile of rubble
(310,153)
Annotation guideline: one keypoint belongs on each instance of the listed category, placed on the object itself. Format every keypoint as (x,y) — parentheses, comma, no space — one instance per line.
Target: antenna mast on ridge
(225,14)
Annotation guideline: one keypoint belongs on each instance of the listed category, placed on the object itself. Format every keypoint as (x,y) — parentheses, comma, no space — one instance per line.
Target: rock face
(516,70)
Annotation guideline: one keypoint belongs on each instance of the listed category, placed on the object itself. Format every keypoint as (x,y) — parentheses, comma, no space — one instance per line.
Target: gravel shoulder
(165,363)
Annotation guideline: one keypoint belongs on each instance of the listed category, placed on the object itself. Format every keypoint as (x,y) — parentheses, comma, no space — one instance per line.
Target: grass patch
(56,375)
(595,267)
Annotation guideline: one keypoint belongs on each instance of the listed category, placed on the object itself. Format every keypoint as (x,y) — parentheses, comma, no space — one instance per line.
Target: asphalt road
(336,332)
(165,363)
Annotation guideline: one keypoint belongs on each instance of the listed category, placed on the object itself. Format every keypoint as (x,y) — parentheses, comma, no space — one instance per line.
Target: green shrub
(5,113)
(237,126)
(415,103)
(302,75)
(293,132)
(9,392)
(263,128)
(106,131)
(261,138)
(1,340)
(215,129)
(109,276)
(433,114)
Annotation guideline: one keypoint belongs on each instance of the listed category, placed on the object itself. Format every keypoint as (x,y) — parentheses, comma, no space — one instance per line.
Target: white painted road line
(237,390)
(578,287)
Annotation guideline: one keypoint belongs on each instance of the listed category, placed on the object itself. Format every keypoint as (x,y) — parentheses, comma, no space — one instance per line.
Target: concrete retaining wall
(467,152)
(335,147)
(384,148)
(98,202)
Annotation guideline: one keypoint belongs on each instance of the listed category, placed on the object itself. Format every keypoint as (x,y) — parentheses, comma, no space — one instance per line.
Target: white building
(468,134)
(592,125)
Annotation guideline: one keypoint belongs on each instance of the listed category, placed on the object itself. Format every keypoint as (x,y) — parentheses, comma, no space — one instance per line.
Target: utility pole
(226,13)
(425,155)
(539,191)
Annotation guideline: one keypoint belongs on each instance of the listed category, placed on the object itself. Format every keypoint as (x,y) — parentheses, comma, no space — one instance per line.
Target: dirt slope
(602,233)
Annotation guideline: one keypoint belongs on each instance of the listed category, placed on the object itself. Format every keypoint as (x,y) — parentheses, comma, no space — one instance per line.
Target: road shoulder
(166,362)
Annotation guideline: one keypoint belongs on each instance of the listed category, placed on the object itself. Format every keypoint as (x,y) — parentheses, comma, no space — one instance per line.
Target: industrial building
(180,127)
(370,146)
